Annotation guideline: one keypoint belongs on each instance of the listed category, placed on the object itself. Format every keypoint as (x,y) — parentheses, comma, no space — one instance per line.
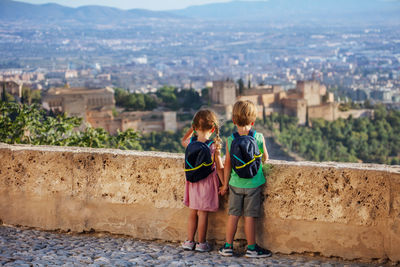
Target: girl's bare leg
(192,225)
(202,226)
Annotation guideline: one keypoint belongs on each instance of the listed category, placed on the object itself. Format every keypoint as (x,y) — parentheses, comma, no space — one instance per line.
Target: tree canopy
(375,140)
(31,124)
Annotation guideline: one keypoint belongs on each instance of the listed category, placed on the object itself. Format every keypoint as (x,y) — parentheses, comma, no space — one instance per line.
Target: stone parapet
(346,210)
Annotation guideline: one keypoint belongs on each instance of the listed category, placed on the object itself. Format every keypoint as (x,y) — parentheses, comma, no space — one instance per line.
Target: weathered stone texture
(346,210)
(353,196)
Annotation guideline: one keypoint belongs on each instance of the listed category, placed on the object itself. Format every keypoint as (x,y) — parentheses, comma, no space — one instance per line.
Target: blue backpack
(198,160)
(245,155)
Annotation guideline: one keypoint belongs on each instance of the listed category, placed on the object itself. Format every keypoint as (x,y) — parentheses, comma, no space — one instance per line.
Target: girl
(202,196)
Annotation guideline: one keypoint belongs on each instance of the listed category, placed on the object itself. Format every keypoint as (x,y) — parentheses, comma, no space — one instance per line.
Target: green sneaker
(226,251)
(258,252)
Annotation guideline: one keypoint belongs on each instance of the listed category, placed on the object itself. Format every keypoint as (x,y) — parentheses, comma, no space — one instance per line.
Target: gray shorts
(245,200)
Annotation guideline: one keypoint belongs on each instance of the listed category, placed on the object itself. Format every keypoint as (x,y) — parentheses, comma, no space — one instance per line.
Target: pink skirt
(203,195)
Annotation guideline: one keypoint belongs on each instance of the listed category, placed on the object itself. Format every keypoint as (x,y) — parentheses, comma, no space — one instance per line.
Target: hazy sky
(129,4)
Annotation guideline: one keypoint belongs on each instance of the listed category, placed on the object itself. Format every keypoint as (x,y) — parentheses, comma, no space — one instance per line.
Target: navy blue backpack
(245,155)
(198,160)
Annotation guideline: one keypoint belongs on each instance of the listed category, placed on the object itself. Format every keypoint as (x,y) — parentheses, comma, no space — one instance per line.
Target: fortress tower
(223,93)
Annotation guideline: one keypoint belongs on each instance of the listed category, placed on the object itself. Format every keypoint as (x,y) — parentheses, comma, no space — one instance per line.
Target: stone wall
(326,111)
(345,210)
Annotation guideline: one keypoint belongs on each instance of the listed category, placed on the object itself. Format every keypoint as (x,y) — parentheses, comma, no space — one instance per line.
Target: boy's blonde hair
(244,113)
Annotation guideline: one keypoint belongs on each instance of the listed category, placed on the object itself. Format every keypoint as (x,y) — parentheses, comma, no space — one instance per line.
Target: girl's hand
(186,137)
(223,190)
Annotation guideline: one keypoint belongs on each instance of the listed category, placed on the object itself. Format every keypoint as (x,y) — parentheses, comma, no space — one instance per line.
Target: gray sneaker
(188,245)
(203,247)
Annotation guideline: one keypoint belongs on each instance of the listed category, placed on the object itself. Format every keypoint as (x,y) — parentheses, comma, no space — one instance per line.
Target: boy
(245,194)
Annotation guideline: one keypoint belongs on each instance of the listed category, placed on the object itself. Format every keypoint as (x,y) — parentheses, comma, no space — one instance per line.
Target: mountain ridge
(293,9)
(271,10)
(15,10)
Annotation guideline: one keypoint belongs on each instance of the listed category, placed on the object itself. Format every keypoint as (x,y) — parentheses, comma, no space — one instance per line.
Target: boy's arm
(186,137)
(227,171)
(265,155)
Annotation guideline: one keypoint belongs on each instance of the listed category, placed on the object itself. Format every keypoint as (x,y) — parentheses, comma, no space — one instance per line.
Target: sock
(251,247)
(227,245)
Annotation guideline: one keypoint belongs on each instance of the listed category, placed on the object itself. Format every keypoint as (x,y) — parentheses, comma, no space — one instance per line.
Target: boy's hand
(223,190)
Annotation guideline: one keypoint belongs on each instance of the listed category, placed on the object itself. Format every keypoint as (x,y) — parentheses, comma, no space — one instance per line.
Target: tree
(134,101)
(189,99)
(36,96)
(205,95)
(24,124)
(26,97)
(126,140)
(168,97)
(91,137)
(241,86)
(3,93)
(30,124)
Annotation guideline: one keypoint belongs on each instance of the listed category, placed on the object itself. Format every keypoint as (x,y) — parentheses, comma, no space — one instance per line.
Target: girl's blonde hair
(205,120)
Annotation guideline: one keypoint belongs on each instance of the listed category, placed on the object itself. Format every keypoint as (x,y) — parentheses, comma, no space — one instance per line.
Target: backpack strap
(252,133)
(193,139)
(235,135)
(209,142)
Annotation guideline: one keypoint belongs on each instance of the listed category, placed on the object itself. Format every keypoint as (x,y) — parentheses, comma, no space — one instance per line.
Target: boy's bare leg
(231,228)
(202,225)
(249,230)
(192,225)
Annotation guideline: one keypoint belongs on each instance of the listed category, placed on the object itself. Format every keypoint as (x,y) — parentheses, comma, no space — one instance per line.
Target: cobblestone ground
(25,247)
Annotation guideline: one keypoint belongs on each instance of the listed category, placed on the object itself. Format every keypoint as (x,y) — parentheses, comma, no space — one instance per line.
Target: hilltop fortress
(308,100)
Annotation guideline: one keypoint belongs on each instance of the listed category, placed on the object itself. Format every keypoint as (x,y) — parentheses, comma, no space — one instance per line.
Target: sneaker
(258,252)
(188,245)
(203,247)
(226,251)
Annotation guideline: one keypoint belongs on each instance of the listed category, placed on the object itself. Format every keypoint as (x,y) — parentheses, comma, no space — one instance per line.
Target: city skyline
(128,4)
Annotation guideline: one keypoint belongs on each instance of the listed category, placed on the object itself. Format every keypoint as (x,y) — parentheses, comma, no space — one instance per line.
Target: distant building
(223,93)
(384,95)
(222,96)
(96,106)
(78,101)
(309,99)
(13,88)
(62,74)
(147,121)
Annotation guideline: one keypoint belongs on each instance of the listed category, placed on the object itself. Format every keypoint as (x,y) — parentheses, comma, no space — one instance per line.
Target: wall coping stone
(159,154)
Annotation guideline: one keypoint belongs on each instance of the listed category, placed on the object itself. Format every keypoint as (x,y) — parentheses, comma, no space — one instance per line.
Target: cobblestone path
(25,247)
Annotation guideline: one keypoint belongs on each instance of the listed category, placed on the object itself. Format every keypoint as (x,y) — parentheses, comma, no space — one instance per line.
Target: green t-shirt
(257,180)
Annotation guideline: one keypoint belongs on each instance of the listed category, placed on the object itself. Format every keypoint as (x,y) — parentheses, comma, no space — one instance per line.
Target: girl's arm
(227,172)
(186,137)
(265,155)
(220,166)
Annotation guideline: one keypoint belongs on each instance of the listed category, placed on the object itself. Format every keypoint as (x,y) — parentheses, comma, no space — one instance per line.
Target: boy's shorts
(245,200)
